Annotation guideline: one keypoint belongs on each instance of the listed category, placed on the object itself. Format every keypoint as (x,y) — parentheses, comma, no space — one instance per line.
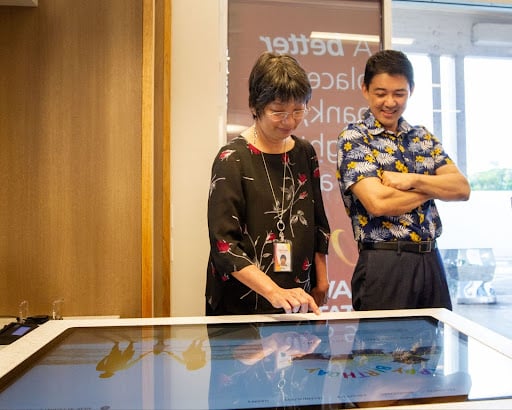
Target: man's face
(387,98)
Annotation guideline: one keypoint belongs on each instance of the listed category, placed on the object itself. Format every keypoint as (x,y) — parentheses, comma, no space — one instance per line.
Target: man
(389,174)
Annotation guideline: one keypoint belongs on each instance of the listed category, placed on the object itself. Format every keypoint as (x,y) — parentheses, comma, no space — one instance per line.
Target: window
(462,56)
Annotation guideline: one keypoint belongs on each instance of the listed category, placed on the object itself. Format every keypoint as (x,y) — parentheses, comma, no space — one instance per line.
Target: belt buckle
(425,247)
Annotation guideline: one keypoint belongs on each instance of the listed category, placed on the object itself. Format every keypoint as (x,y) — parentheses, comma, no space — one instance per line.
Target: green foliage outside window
(498,179)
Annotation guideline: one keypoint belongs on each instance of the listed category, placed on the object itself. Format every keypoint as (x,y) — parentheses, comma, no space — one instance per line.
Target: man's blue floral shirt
(366,149)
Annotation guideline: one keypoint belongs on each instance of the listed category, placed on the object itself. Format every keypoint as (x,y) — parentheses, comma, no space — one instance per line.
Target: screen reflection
(289,364)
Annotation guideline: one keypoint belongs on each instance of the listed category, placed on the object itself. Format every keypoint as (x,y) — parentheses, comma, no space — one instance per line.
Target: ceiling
(453,29)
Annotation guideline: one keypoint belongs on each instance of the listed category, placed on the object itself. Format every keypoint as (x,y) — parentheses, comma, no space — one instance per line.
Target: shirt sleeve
(430,154)
(322,229)
(438,153)
(226,205)
(355,158)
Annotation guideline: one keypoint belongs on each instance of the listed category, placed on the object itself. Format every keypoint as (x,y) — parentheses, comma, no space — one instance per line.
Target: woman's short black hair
(277,77)
(390,62)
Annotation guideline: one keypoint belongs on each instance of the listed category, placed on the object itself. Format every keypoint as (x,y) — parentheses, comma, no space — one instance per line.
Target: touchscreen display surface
(262,365)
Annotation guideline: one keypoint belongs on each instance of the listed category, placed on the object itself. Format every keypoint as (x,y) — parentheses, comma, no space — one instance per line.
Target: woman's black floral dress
(242,221)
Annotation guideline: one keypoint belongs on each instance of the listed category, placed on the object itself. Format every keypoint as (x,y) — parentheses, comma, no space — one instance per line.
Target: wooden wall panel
(162,161)
(148,155)
(70,157)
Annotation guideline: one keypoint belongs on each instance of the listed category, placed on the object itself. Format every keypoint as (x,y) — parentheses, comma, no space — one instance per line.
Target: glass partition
(462,54)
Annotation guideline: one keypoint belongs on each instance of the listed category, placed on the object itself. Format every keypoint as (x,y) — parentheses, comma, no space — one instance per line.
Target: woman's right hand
(295,300)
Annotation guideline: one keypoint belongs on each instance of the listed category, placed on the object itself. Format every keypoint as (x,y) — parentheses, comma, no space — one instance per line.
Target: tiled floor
(496,316)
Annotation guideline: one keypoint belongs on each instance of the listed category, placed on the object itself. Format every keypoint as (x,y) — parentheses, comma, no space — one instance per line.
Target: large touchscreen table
(334,362)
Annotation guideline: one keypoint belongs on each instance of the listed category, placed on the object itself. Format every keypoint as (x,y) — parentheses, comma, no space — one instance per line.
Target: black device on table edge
(13,331)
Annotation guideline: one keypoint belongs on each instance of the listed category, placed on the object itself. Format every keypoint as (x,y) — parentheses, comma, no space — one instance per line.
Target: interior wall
(198,101)
(70,157)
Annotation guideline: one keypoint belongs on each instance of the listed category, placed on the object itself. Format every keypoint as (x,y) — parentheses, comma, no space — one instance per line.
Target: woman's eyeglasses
(278,116)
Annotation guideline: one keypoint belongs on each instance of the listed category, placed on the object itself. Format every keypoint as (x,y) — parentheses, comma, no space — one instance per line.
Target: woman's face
(279,119)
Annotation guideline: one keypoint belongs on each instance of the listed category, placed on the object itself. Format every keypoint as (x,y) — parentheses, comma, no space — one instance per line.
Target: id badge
(282,256)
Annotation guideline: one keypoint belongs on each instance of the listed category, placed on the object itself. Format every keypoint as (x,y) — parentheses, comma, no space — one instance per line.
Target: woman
(265,204)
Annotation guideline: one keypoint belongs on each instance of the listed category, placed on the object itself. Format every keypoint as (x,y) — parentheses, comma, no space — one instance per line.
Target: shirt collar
(375,128)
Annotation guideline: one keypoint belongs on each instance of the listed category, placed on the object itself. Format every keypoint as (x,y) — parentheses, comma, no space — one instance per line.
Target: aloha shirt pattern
(366,149)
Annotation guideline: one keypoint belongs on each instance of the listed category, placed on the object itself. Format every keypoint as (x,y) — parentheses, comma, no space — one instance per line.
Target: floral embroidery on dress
(239,187)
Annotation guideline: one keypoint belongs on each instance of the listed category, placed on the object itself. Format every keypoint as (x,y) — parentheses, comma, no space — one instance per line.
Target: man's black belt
(400,246)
